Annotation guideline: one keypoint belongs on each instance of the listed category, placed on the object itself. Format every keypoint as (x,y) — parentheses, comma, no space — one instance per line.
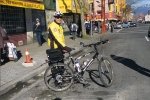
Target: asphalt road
(128,51)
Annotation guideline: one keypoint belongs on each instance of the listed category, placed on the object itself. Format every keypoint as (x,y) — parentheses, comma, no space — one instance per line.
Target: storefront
(71,11)
(18,17)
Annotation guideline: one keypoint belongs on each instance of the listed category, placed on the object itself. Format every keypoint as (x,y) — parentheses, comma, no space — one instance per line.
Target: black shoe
(86,85)
(40,45)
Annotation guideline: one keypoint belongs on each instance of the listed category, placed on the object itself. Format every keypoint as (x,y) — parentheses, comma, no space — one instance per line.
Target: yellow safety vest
(58,33)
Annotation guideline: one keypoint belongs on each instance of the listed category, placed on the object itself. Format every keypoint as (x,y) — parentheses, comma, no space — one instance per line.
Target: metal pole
(103,17)
(91,32)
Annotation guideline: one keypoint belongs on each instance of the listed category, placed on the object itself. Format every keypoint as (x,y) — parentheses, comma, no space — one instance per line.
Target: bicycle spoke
(95,75)
(59,79)
(106,73)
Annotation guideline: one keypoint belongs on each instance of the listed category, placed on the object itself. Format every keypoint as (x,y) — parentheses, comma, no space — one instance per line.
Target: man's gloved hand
(66,49)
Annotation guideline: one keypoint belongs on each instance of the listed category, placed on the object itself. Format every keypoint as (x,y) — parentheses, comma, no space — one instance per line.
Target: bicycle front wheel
(105,72)
(58,77)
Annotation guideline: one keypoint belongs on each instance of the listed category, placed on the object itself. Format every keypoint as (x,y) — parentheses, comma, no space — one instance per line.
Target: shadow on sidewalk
(131,64)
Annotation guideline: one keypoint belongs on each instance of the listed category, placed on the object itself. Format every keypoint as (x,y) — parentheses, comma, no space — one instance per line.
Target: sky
(140,6)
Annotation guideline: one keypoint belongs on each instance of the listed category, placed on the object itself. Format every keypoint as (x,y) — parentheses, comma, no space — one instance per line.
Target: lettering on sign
(22,4)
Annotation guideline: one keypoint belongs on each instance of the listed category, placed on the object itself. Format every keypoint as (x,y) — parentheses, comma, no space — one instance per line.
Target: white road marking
(119,30)
(147,39)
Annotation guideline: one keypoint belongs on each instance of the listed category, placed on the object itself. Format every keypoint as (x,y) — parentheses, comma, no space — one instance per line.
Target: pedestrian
(56,39)
(88,27)
(38,31)
(111,27)
(3,38)
(74,29)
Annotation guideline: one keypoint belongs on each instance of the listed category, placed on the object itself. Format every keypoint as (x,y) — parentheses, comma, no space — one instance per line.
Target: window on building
(116,9)
(109,6)
(13,19)
(50,4)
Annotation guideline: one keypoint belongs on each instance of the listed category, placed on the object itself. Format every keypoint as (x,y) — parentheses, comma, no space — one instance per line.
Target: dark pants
(39,37)
(111,30)
(88,31)
(1,51)
(74,33)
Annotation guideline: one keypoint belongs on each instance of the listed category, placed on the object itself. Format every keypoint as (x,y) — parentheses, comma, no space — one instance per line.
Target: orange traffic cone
(28,58)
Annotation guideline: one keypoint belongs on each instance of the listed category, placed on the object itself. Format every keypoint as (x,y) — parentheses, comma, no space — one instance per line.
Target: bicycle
(64,76)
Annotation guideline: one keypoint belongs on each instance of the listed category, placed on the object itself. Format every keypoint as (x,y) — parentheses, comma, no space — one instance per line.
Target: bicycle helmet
(58,14)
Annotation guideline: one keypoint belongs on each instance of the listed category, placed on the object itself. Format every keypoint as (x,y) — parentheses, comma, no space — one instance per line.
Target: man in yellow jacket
(56,34)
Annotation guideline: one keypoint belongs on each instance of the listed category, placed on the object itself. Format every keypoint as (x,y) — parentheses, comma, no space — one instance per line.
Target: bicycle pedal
(83,81)
(86,85)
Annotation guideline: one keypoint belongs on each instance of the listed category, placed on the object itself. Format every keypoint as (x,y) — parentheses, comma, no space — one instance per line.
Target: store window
(13,19)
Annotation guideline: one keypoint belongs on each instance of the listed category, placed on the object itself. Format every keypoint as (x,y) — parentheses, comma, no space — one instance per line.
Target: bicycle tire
(105,68)
(68,74)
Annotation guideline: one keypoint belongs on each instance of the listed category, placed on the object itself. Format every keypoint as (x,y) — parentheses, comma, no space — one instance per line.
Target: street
(128,51)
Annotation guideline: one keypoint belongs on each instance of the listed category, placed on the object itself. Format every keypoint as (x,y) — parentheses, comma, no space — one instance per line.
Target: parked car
(132,24)
(125,25)
(118,26)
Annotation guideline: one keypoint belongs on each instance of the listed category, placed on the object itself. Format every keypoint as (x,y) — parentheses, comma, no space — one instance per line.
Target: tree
(84,8)
(127,11)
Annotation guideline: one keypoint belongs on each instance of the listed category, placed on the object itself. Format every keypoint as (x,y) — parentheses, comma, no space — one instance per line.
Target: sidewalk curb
(6,87)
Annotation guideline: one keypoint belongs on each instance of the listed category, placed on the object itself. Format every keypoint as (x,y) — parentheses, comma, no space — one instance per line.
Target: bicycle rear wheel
(58,77)
(106,72)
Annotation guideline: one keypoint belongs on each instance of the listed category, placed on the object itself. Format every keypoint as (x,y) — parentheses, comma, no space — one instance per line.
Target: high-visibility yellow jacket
(58,33)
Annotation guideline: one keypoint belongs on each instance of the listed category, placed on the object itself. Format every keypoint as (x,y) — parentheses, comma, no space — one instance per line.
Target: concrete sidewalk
(13,72)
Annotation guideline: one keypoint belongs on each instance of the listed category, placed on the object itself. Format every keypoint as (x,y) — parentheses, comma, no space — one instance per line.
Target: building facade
(113,9)
(18,17)
(71,11)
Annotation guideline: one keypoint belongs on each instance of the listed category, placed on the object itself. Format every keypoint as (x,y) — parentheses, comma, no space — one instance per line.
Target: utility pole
(103,16)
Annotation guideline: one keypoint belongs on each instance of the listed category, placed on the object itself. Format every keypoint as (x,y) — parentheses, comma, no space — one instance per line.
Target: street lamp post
(103,16)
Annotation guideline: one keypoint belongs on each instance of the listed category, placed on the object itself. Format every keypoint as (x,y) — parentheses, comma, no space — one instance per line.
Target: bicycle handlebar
(94,44)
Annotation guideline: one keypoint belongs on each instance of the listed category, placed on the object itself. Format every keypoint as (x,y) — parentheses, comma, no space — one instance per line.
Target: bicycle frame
(82,56)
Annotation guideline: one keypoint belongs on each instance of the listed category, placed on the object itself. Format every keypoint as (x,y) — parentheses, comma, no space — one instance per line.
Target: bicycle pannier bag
(54,55)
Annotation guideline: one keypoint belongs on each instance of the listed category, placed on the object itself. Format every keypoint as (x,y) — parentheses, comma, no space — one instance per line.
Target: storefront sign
(90,1)
(66,6)
(22,4)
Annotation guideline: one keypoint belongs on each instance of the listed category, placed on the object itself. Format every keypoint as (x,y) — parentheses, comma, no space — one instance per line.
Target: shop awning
(97,17)
(22,4)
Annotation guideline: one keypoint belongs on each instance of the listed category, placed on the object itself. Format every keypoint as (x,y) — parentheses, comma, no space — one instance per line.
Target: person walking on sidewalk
(74,29)
(87,27)
(111,27)
(3,37)
(38,31)
(56,37)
